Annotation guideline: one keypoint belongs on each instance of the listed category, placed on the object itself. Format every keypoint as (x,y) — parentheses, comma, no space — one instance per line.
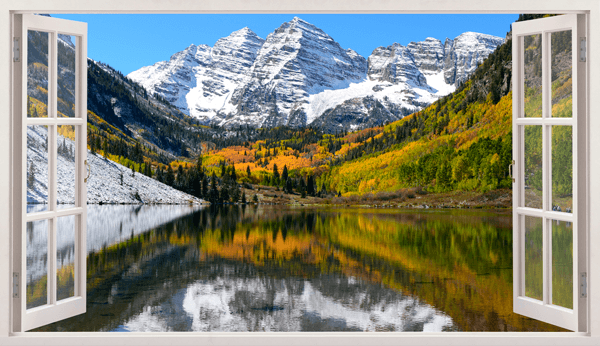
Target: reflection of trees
(562,264)
(459,263)
(533,257)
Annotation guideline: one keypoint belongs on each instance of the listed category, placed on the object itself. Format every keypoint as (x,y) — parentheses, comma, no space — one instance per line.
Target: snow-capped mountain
(299,75)
(200,79)
(297,60)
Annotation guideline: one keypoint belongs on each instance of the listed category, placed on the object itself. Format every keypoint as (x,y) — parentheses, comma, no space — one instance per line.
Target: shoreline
(268,195)
(495,199)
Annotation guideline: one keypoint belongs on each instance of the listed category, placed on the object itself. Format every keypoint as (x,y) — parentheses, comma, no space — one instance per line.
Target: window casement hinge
(15,293)
(583,285)
(16,49)
(582,49)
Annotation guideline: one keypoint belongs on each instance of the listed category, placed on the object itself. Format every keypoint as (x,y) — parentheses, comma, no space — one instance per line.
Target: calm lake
(277,268)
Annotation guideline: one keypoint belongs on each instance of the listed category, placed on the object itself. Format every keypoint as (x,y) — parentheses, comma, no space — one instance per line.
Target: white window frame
(543,310)
(591,8)
(27,319)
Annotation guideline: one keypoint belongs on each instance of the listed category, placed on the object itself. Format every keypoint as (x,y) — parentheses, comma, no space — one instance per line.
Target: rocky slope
(300,76)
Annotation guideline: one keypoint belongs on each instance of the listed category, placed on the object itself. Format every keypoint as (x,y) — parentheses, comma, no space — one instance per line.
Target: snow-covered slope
(299,74)
(200,79)
(104,184)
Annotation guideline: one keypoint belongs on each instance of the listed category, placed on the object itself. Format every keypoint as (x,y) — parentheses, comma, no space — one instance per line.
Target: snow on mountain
(299,72)
(467,51)
(109,182)
(200,79)
(296,60)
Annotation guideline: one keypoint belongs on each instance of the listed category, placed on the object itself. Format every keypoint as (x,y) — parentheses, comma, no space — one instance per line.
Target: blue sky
(130,41)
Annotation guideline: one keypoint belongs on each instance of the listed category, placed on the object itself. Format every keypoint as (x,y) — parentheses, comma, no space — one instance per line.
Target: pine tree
(180,178)
(255,198)
(288,186)
(170,176)
(302,188)
(92,141)
(275,172)
(284,174)
(323,189)
(233,175)
(214,191)
(310,188)
(244,197)
(204,187)
(159,174)
(224,197)
(31,176)
(248,172)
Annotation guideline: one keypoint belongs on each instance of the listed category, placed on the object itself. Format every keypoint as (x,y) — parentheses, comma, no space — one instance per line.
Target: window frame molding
(589,7)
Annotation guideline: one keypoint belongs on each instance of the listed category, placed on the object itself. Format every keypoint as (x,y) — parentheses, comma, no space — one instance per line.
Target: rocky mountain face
(395,64)
(200,79)
(296,60)
(456,59)
(300,76)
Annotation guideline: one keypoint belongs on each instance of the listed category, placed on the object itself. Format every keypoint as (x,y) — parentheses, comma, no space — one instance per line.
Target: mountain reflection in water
(294,269)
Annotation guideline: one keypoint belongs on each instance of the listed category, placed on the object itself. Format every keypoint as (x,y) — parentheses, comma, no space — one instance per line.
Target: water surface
(296,269)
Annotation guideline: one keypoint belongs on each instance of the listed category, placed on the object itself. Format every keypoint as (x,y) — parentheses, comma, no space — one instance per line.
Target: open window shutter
(50,147)
(550,185)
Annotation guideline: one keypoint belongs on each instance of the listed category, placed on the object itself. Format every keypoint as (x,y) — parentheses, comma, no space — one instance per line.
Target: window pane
(534,265)
(37,263)
(65,144)
(66,76)
(562,264)
(65,257)
(532,49)
(562,66)
(533,166)
(562,168)
(37,168)
(37,74)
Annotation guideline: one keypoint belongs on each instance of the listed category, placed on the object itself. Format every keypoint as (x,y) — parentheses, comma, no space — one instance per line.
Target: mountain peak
(301,24)
(243,32)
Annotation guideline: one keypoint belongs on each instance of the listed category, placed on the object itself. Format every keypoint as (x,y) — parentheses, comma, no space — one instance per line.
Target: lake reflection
(285,269)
